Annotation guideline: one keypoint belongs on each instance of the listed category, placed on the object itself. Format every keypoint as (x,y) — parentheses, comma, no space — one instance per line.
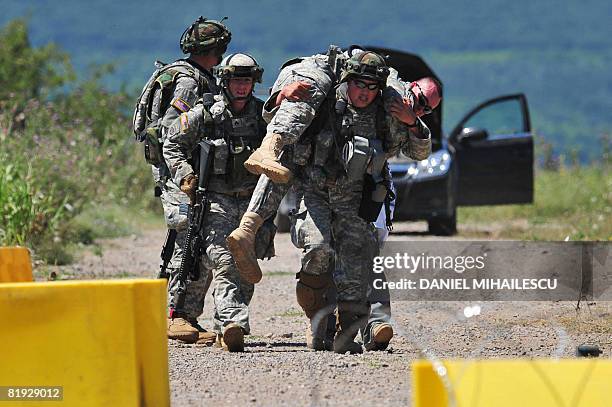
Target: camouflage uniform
(187,90)
(292,118)
(230,188)
(327,225)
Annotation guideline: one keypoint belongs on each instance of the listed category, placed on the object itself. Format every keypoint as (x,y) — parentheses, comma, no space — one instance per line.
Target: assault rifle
(203,156)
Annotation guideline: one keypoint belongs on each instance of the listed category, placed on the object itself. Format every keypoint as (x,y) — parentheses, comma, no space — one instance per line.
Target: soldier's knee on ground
(313,292)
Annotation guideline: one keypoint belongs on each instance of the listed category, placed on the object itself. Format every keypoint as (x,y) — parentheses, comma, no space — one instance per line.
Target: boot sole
(187,337)
(354,350)
(381,339)
(207,341)
(233,339)
(249,271)
(383,335)
(277,174)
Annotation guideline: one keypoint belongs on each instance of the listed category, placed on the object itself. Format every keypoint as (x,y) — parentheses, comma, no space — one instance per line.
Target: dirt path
(277,369)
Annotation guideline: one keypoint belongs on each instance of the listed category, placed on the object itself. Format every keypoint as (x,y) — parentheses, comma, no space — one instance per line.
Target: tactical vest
(352,122)
(236,136)
(147,117)
(336,124)
(339,127)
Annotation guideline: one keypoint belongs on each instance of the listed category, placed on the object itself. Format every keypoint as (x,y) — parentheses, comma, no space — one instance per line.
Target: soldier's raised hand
(296,91)
(401,109)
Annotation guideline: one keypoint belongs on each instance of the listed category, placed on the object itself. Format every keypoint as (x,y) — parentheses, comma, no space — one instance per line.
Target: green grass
(25,207)
(291,313)
(280,274)
(574,203)
(69,170)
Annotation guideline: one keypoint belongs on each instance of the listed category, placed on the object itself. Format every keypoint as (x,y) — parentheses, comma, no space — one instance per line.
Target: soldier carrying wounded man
(322,140)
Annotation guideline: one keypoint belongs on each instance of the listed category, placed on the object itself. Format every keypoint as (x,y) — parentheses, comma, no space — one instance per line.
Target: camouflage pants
(380,308)
(292,118)
(329,230)
(265,202)
(267,197)
(232,295)
(175,205)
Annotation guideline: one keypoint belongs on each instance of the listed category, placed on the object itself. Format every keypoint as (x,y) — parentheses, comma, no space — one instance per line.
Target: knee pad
(313,292)
(317,259)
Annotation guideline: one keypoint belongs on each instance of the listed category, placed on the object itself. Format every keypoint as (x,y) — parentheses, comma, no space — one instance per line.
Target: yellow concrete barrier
(104,342)
(511,383)
(15,265)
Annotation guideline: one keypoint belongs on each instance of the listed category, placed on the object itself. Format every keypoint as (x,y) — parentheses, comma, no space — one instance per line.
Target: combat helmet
(368,65)
(238,65)
(204,35)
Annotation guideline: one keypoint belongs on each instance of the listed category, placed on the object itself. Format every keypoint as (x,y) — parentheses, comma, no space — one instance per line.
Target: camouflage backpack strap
(339,109)
(144,103)
(204,80)
(166,82)
(149,112)
(382,125)
(261,123)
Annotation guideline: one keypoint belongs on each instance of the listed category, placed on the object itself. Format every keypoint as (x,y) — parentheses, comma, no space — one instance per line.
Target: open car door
(494,153)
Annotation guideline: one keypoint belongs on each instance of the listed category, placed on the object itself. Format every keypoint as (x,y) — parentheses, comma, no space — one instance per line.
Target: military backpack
(147,116)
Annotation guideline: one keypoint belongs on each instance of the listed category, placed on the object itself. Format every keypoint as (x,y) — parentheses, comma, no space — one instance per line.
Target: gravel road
(277,369)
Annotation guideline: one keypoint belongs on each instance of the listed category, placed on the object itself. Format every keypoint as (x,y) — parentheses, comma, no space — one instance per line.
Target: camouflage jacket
(185,94)
(291,118)
(235,136)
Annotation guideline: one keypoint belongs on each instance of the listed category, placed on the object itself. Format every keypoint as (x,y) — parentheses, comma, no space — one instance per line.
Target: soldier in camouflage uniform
(293,86)
(205,41)
(238,130)
(327,225)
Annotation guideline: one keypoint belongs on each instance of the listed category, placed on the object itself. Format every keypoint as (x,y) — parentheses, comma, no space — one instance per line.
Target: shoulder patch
(184,123)
(181,105)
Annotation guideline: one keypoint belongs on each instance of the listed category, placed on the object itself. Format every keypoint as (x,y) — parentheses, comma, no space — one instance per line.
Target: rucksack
(146,130)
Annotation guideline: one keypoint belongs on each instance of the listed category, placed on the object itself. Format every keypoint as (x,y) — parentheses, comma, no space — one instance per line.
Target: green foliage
(31,72)
(573,202)
(27,208)
(559,54)
(65,153)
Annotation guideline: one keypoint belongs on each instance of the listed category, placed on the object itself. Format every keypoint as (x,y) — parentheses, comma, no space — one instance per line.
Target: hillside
(558,53)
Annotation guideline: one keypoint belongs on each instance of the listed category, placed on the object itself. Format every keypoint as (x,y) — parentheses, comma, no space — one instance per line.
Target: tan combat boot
(233,338)
(182,330)
(381,336)
(265,160)
(204,337)
(241,243)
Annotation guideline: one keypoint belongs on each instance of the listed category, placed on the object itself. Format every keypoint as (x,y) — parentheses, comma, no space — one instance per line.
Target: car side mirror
(472,134)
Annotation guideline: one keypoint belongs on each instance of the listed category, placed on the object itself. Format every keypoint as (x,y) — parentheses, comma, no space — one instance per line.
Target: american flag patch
(181,105)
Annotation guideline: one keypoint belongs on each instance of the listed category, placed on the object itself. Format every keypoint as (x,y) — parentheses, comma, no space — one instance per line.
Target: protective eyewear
(363,85)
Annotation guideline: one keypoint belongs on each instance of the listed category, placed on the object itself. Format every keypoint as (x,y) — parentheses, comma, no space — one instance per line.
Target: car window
(499,118)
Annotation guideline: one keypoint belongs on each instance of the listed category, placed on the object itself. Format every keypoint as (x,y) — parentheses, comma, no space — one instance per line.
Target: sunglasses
(421,99)
(363,85)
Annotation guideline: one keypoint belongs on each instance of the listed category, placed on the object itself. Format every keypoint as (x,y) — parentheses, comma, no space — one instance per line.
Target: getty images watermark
(493,270)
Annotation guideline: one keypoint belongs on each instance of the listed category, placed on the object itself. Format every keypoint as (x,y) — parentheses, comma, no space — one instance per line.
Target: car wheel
(283,223)
(443,225)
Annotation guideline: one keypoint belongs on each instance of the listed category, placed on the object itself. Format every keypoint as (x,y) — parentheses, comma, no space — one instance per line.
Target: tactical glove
(189,184)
